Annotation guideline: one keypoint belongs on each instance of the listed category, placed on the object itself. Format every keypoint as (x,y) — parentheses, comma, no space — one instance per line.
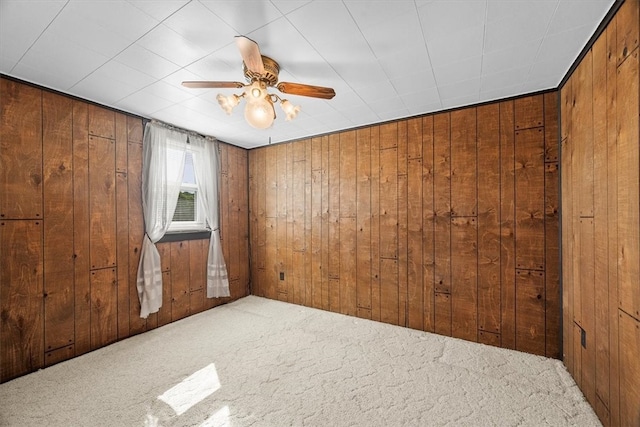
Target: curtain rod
(177,129)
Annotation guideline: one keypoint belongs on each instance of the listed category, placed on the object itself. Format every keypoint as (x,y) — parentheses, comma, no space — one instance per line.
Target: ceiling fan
(261,72)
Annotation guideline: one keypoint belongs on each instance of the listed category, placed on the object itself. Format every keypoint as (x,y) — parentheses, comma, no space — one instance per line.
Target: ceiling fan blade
(250,53)
(306,90)
(207,84)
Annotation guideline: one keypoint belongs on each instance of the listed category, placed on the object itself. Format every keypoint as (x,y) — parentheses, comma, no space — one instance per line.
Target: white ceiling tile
(470,88)
(384,59)
(574,13)
(159,9)
(169,92)
(144,102)
(513,22)
(116,80)
(509,78)
(416,82)
(512,57)
(71,62)
(143,60)
(200,27)
(377,91)
(15,36)
(286,6)
(457,46)
(73,26)
(417,101)
(244,16)
(441,18)
(115,16)
(459,71)
(388,26)
(170,45)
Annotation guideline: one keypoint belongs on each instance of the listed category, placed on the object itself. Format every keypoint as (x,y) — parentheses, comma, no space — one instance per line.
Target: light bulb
(228,102)
(289,109)
(260,113)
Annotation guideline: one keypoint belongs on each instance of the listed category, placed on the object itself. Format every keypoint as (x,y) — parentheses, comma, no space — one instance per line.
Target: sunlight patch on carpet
(219,419)
(192,390)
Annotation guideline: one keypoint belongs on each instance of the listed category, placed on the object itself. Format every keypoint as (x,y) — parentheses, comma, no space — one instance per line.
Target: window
(188,215)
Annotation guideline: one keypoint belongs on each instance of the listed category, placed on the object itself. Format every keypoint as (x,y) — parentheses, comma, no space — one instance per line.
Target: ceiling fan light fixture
(260,113)
(289,109)
(228,102)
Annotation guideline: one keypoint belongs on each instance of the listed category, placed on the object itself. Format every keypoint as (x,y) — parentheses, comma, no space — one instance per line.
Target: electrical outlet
(282,275)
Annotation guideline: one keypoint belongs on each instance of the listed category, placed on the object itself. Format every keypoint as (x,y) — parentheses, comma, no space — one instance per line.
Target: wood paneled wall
(601,221)
(445,223)
(71,228)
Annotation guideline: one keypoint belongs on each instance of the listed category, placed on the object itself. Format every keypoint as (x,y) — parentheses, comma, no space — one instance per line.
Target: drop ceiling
(385,59)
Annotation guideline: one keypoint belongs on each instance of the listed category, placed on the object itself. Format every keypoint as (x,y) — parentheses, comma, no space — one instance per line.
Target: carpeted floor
(258,362)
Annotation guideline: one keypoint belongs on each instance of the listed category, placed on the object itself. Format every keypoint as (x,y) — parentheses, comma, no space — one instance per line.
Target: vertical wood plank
(442,201)
(334,222)
(57,153)
(388,200)
(197,265)
(586,281)
(363,225)
(325,222)
(627,30)
(180,263)
(464,278)
(348,239)
(21,288)
(530,328)
(551,126)
(122,252)
(102,122)
(629,370)
(164,314)
(402,222)
(348,182)
(82,297)
(388,133)
(389,290)
(102,206)
(489,218)
(628,184)
(464,196)
(21,153)
(529,198)
(583,152)
(507,225)
(612,223)
(375,223)
(600,339)
(134,129)
(316,236)
(136,233)
(442,314)
(428,224)
(552,269)
(121,142)
(415,280)
(104,307)
(271,259)
(529,112)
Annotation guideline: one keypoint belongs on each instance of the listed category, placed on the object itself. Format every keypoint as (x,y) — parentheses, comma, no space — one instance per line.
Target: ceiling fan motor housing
(271,70)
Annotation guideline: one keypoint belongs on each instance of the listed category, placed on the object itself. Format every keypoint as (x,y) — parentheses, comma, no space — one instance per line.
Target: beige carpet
(258,362)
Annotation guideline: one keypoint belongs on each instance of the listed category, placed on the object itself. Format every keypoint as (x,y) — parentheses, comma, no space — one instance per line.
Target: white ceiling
(385,59)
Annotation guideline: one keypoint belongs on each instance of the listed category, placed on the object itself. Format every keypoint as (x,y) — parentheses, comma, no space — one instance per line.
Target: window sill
(178,236)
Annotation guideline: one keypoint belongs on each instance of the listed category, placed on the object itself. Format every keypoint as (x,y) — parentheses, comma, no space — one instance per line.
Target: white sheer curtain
(206,165)
(164,152)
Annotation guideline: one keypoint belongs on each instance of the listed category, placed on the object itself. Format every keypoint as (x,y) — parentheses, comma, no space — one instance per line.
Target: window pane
(188,177)
(186,207)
